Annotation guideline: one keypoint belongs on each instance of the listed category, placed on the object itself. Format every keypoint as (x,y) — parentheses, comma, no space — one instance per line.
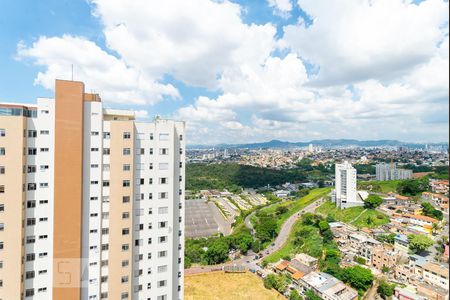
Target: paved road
(248,261)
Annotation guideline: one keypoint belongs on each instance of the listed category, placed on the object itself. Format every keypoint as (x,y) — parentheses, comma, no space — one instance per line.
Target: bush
(385,289)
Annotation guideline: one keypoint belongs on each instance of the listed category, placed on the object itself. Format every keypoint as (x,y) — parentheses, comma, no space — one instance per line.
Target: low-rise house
(433,274)
(440,186)
(384,257)
(401,243)
(327,287)
(406,294)
(421,223)
(440,201)
(432,292)
(363,244)
(307,260)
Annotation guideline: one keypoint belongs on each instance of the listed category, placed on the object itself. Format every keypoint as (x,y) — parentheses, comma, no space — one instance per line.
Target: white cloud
(354,40)
(100,71)
(380,67)
(281,8)
(193,41)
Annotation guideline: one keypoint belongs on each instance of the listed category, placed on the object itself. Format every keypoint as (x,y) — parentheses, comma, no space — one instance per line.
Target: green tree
(385,289)
(294,295)
(310,295)
(187,262)
(266,228)
(419,242)
(373,201)
(323,226)
(217,252)
(358,277)
(412,187)
(256,246)
(281,210)
(430,211)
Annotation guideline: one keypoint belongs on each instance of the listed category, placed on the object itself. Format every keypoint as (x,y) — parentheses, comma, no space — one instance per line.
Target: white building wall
(345,177)
(42,198)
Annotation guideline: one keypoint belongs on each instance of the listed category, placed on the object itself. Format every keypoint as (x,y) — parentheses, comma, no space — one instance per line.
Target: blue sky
(242,71)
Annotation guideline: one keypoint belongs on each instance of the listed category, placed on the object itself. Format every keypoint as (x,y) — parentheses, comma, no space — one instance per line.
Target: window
(94,166)
(125,199)
(105,183)
(2,207)
(163,151)
(43,185)
(31,187)
(151,136)
(124,295)
(142,181)
(126,183)
(150,181)
(163,195)
(162,269)
(163,180)
(29,292)
(151,166)
(125,263)
(106,151)
(94,133)
(180,178)
(31,204)
(126,151)
(2,132)
(162,224)
(125,231)
(32,133)
(127,135)
(44,132)
(2,170)
(150,196)
(125,215)
(94,149)
(29,274)
(31,169)
(162,253)
(44,168)
(31,221)
(181,137)
(164,166)
(162,239)
(2,151)
(106,135)
(30,257)
(125,247)
(31,239)
(124,279)
(32,151)
(94,182)
(150,151)
(142,151)
(163,136)
(162,283)
(126,167)
(2,226)
(1,246)
(181,164)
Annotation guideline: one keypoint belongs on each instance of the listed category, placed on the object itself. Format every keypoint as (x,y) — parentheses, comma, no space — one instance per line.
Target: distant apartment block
(91,201)
(386,171)
(345,194)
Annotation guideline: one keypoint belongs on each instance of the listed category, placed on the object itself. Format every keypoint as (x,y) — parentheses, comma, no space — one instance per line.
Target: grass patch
(380,186)
(227,286)
(294,206)
(369,218)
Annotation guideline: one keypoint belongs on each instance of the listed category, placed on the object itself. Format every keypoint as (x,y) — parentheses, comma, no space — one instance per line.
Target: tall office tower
(386,171)
(91,201)
(345,192)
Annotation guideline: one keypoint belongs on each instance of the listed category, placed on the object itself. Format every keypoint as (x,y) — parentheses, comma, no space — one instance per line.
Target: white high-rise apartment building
(386,171)
(345,180)
(91,201)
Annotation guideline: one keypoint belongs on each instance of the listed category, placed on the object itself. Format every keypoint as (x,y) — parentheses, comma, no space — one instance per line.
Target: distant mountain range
(317,143)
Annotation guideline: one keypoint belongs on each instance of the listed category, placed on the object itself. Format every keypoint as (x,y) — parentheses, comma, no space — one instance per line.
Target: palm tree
(435,228)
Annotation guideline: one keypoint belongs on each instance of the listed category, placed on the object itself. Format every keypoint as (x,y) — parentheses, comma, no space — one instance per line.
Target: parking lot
(200,219)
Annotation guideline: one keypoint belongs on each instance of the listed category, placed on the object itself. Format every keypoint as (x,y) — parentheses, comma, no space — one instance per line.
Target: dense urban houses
(91,201)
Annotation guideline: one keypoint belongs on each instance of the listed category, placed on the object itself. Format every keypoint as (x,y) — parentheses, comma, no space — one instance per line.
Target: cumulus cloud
(98,69)
(362,69)
(353,40)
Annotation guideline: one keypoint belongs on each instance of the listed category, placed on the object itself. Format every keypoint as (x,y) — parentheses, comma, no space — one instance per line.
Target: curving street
(248,261)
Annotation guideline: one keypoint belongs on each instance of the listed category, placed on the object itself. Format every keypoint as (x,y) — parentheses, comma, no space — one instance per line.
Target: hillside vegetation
(234,176)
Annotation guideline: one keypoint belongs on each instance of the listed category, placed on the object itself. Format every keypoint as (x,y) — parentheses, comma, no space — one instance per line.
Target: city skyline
(276,72)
